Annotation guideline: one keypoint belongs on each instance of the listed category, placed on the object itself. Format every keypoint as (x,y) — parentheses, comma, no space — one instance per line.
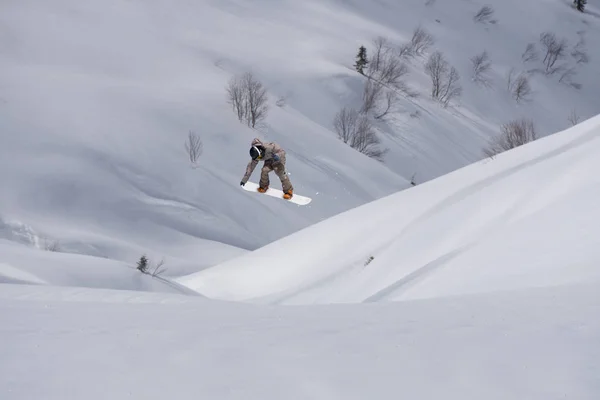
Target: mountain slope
(97,99)
(527,218)
(94,123)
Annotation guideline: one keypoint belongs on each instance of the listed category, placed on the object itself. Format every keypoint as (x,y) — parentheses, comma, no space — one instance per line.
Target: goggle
(260,154)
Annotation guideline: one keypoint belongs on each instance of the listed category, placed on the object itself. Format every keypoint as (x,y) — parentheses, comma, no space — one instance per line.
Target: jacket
(271,149)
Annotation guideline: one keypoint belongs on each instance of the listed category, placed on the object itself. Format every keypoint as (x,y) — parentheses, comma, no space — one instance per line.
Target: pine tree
(142,264)
(361,60)
(580,4)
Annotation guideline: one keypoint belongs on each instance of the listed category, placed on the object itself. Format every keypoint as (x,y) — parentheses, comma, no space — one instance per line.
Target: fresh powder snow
(480,282)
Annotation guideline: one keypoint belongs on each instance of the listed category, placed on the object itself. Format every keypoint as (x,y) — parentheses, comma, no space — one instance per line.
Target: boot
(288,195)
(262,190)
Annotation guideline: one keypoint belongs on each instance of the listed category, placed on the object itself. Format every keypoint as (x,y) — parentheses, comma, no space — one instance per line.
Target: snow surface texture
(541,344)
(527,218)
(97,98)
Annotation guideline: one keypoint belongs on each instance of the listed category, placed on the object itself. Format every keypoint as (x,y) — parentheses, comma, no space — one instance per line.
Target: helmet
(256,152)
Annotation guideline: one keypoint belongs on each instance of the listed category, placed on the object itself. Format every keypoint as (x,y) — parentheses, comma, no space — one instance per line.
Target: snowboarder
(273,157)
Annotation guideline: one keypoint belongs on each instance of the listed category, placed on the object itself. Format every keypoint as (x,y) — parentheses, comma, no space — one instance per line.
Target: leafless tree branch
(513,134)
(193,147)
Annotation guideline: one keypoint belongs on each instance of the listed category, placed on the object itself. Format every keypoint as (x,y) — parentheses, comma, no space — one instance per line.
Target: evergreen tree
(361,60)
(142,264)
(580,4)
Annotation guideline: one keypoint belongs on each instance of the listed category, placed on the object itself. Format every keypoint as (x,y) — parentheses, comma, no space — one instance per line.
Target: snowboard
(296,199)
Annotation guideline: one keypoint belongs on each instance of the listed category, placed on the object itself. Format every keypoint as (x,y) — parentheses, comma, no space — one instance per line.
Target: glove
(275,158)
(242,183)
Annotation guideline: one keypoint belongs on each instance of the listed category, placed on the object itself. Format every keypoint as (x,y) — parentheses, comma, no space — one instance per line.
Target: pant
(279,168)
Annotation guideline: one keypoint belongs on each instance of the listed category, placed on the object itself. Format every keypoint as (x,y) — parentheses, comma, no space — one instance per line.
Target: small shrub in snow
(281,101)
(513,134)
(356,130)
(445,80)
(361,60)
(248,97)
(52,245)
(484,15)
(413,181)
(193,147)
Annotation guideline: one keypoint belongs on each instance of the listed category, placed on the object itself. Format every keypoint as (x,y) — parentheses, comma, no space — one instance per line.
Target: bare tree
(530,53)
(579,52)
(236,97)
(484,14)
(513,134)
(248,98)
(574,117)
(356,130)
(391,98)
(518,85)
(481,66)
(345,123)
(371,94)
(381,49)
(158,269)
(436,68)
(555,50)
(193,147)
(521,89)
(567,75)
(444,79)
(510,76)
(385,74)
(421,41)
(256,98)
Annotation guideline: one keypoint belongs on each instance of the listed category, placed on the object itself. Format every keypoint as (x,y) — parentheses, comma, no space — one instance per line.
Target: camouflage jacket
(271,149)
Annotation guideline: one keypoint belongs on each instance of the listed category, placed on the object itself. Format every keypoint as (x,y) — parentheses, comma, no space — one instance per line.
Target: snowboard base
(296,199)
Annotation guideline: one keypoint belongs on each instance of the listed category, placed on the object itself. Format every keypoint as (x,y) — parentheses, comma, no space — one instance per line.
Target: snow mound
(527,218)
(21,264)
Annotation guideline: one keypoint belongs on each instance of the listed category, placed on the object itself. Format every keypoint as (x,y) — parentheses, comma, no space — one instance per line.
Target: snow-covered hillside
(484,284)
(527,218)
(479,284)
(97,99)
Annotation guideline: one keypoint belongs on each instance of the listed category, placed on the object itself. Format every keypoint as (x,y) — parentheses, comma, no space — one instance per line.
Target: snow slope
(538,344)
(528,218)
(97,101)
(97,98)
(22,265)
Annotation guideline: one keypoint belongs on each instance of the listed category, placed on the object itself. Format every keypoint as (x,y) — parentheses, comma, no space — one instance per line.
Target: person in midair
(273,157)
